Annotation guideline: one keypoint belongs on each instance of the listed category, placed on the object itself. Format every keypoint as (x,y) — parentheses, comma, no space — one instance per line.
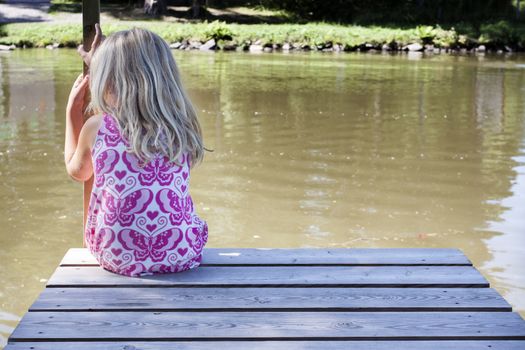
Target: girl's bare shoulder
(91,127)
(92,124)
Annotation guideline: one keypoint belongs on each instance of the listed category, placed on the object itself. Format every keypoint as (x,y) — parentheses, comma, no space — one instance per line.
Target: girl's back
(139,147)
(141,218)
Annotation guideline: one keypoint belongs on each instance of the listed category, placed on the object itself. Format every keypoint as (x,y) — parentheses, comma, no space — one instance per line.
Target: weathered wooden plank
(143,326)
(307,256)
(280,276)
(278,345)
(267,299)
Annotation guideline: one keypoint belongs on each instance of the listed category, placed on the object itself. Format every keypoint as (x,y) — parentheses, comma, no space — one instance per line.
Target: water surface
(310,150)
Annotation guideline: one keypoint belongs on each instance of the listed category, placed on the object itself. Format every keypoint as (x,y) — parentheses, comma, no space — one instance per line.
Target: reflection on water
(507,245)
(310,150)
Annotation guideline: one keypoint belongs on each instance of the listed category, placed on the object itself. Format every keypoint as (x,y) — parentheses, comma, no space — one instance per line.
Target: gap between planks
(275,345)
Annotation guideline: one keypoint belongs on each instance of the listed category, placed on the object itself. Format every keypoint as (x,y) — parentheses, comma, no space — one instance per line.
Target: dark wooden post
(90,16)
(196,7)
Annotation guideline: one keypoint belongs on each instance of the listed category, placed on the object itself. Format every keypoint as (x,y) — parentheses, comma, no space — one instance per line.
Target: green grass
(313,34)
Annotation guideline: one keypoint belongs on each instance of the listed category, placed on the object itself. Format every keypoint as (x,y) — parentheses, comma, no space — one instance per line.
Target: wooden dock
(388,299)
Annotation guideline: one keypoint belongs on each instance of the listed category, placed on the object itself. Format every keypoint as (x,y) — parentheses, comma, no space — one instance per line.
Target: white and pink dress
(141,219)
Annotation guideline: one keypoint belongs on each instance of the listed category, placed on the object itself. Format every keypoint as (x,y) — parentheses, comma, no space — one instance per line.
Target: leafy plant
(426,34)
(218,30)
(446,38)
(499,34)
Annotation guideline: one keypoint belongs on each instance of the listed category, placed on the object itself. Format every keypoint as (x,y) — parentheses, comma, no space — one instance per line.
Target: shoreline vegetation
(501,36)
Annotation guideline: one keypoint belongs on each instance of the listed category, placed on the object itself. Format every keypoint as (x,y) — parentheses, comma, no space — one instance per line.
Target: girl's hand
(75,103)
(88,55)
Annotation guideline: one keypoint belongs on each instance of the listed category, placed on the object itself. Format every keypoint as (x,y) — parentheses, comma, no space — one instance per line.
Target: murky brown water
(311,150)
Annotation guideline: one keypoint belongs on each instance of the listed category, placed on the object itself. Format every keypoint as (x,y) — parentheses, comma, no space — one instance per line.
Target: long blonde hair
(153,111)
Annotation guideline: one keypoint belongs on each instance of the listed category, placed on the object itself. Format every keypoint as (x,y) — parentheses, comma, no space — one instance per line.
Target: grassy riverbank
(316,36)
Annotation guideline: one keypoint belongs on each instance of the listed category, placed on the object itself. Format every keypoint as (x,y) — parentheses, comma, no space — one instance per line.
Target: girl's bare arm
(79,136)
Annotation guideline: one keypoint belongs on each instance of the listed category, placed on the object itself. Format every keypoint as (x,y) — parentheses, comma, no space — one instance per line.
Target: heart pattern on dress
(116,251)
(120,174)
(152,214)
(151,227)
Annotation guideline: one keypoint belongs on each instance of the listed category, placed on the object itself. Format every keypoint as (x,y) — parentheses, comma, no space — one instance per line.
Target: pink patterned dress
(141,219)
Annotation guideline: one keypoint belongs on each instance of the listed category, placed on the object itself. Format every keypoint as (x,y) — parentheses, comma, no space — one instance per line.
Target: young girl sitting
(139,146)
